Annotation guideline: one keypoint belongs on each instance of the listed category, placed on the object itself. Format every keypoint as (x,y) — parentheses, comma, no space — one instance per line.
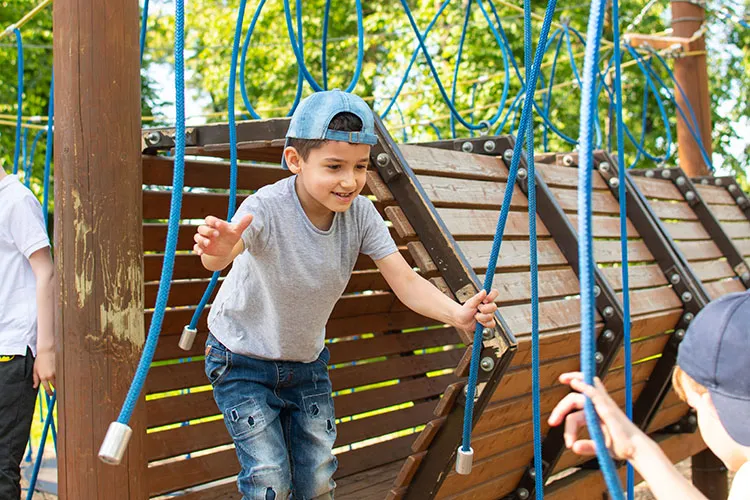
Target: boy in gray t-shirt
(293,246)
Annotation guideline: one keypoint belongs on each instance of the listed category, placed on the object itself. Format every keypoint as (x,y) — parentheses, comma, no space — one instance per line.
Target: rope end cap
(187,338)
(464,460)
(115,443)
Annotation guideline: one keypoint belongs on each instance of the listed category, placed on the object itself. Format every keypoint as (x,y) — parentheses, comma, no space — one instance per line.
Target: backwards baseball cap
(715,354)
(314,114)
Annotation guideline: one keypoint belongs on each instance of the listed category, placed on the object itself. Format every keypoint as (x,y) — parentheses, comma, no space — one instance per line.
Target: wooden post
(692,75)
(710,475)
(98,242)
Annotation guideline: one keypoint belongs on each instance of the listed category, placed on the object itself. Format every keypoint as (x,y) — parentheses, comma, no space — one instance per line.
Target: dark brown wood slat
(638,276)
(686,230)
(158,170)
(181,293)
(602,202)
(738,230)
(672,210)
(376,323)
(642,349)
(391,343)
(712,270)
(191,374)
(467,193)
(699,250)
(714,195)
(608,252)
(194,205)
(182,474)
(188,266)
(221,492)
(186,439)
(606,227)
(646,325)
(368,457)
(718,289)
(465,223)
(447,163)
(728,213)
(370,484)
(556,176)
(516,286)
(385,423)
(182,408)
(652,300)
(658,188)
(377,302)
(155,236)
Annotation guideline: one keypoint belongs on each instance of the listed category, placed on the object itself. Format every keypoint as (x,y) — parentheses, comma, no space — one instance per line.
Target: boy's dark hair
(346,122)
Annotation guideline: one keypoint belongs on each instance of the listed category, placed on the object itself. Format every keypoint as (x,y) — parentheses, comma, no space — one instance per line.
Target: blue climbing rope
(533,265)
(324,44)
(500,230)
(29,162)
(165,280)
(232,156)
(144,26)
(299,54)
(38,462)
(547,101)
(459,53)
(49,146)
(585,239)
(626,346)
(19,99)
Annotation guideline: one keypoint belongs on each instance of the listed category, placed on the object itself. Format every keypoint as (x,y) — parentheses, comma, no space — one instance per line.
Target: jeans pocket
(218,363)
(245,420)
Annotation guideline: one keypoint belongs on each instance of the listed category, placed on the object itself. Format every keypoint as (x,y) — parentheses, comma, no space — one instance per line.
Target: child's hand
(218,237)
(481,307)
(621,434)
(44,370)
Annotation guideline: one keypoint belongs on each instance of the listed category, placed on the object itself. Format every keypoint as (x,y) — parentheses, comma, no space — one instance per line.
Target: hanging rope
(626,345)
(459,53)
(465,449)
(534,269)
(585,240)
(144,26)
(118,434)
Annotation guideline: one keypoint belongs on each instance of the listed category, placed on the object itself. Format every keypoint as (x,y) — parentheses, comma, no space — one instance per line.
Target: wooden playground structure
(398,377)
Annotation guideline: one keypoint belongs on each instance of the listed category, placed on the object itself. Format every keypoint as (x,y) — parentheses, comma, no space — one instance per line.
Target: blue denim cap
(313,115)
(715,353)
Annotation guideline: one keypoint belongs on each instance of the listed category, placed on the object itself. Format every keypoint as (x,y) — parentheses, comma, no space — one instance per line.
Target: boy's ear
(292,158)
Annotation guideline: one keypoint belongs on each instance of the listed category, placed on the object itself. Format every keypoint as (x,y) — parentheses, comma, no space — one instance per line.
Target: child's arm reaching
(421,296)
(624,439)
(219,242)
(44,364)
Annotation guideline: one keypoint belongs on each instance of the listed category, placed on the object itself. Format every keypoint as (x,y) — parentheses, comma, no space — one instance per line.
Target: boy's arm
(219,242)
(664,480)
(44,365)
(422,297)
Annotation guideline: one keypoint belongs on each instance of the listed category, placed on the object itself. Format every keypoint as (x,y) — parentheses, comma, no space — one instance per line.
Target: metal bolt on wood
(599,357)
(718,182)
(604,166)
(467,147)
(614,182)
(522,493)
(680,181)
(521,173)
(686,296)
(383,159)
(666,174)
(675,279)
(489,146)
(608,311)
(680,333)
(690,196)
(649,173)
(688,317)
(608,335)
(508,155)
(567,160)
(487,364)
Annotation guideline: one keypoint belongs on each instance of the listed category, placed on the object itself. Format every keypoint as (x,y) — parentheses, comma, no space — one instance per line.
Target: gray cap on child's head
(716,354)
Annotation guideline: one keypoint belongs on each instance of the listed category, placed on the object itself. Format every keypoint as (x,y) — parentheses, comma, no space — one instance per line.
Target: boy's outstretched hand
(481,307)
(621,435)
(218,237)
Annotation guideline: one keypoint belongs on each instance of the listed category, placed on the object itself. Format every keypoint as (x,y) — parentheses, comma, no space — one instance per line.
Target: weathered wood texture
(98,248)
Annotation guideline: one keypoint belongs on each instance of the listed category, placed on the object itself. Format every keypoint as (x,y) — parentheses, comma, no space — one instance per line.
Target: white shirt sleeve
(27,226)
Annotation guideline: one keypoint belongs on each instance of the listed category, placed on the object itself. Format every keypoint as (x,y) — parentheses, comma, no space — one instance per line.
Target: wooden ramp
(398,377)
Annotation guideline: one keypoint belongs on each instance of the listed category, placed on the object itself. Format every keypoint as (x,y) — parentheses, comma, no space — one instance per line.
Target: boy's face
(332,176)
(712,430)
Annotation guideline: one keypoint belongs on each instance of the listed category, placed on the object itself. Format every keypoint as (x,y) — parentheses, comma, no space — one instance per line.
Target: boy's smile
(330,179)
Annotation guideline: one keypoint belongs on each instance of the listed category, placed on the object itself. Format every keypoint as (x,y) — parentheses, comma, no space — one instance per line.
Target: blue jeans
(280,416)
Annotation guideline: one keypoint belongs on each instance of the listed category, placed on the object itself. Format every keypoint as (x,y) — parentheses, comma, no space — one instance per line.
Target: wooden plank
(516,286)
(608,252)
(518,382)
(181,293)
(699,250)
(158,170)
(714,195)
(607,227)
(657,188)
(191,374)
(513,254)
(718,289)
(225,491)
(652,300)
(180,474)
(155,236)
(409,469)
(672,210)
(687,230)
(557,176)
(728,213)
(646,325)
(738,230)
(370,484)
(645,348)
(368,457)
(743,246)
(194,205)
(638,276)
(467,193)
(589,485)
(447,163)
(186,439)
(668,416)
(390,344)
(553,315)
(354,431)
(378,188)
(467,223)
(602,202)
(422,443)
(712,270)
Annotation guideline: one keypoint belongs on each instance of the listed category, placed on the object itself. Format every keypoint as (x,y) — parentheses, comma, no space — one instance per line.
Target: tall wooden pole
(692,75)
(98,241)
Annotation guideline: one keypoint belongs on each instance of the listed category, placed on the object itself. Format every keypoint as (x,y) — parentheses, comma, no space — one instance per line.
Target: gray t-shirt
(276,299)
